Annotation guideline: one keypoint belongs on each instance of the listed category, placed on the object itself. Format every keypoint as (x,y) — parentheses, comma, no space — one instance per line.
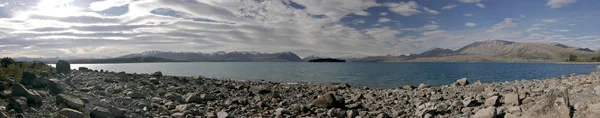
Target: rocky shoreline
(101,94)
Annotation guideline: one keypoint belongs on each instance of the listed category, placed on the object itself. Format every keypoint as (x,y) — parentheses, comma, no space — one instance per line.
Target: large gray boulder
(329,100)
(54,86)
(555,104)
(69,101)
(69,113)
(63,66)
(33,98)
(101,112)
(489,112)
(27,78)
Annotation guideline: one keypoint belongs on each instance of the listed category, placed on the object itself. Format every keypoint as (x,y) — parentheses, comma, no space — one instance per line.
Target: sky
(109,28)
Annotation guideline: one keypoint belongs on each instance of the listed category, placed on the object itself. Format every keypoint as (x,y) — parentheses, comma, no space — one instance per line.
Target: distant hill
(436,52)
(501,50)
(326,60)
(526,51)
(220,56)
(123,60)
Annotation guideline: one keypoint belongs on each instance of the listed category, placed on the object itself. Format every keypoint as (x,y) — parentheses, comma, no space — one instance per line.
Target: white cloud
(533,29)
(469,1)
(562,30)
(383,13)
(480,5)
(405,8)
(549,20)
(362,13)
(450,6)
(383,20)
(103,5)
(358,21)
(468,15)
(434,32)
(559,3)
(522,16)
(431,11)
(507,23)
(470,24)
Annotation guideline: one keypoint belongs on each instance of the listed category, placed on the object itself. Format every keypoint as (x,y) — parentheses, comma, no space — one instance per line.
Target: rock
(362,113)
(69,113)
(492,101)
(84,69)
(279,111)
(199,98)
(597,90)
(157,74)
(69,101)
(408,87)
(511,99)
(177,115)
(210,115)
(555,104)
(509,115)
(351,113)
(19,104)
(182,107)
(422,85)
(63,66)
(222,114)
(33,98)
(260,89)
(461,82)
(135,95)
(54,86)
(329,100)
(101,112)
(28,78)
(382,115)
(154,80)
(4,114)
(397,114)
(336,86)
(489,112)
(594,108)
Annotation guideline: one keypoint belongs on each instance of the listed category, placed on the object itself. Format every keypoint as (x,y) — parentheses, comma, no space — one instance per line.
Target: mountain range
(490,50)
(220,56)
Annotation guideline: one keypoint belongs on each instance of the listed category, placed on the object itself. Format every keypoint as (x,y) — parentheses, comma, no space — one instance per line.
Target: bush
(12,70)
(7,61)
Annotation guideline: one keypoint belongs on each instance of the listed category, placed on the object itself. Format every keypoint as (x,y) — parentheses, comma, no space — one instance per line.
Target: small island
(327,60)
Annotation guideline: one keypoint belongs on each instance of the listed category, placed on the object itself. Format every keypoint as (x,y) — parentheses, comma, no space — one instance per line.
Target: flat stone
(69,101)
(492,101)
(511,99)
(222,114)
(69,113)
(555,104)
(422,85)
(489,112)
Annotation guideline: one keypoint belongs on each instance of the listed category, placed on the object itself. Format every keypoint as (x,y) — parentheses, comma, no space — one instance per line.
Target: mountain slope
(526,51)
(500,50)
(123,60)
(220,56)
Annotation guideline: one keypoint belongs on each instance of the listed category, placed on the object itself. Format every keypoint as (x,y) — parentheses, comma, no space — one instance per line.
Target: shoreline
(122,94)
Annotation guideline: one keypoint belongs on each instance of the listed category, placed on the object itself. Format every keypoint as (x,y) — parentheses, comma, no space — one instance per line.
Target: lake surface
(381,75)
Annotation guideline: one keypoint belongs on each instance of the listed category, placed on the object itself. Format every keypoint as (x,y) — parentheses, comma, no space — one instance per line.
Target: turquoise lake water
(380,75)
